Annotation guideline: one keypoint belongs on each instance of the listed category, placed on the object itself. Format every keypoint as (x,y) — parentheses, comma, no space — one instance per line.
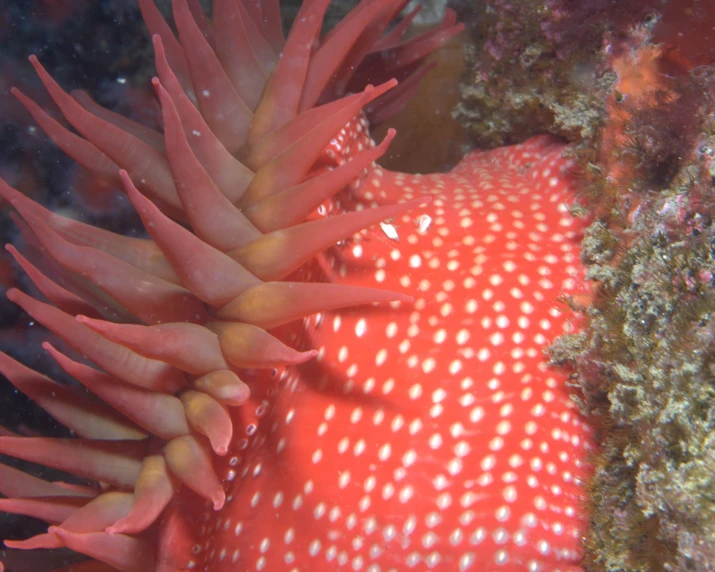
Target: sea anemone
(206,333)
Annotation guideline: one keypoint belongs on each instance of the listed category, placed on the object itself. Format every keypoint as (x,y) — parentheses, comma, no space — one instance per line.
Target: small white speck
(390,231)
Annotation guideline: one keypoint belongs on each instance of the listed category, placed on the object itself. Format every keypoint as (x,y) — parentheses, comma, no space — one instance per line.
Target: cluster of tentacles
(254,142)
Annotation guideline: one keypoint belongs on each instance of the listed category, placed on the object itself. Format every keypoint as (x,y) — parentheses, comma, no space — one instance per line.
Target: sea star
(423,433)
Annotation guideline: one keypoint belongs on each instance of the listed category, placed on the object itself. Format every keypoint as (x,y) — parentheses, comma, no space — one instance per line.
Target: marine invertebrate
(483,457)
(443,412)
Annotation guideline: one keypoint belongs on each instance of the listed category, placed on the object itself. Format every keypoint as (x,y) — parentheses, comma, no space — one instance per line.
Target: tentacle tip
(61,533)
(96,325)
(13,294)
(116,528)
(220,450)
(123,526)
(136,198)
(306,356)
(219,500)
(389,136)
(234,396)
(129,187)
(240,396)
(162,94)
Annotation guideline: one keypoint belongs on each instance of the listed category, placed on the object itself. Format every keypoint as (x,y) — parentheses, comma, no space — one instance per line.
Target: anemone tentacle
(227,194)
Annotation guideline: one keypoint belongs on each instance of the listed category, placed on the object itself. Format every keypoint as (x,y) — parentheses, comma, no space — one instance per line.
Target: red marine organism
(312,363)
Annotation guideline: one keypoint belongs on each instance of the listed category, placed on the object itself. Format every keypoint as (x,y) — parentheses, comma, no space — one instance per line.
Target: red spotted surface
(431,434)
(309,363)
